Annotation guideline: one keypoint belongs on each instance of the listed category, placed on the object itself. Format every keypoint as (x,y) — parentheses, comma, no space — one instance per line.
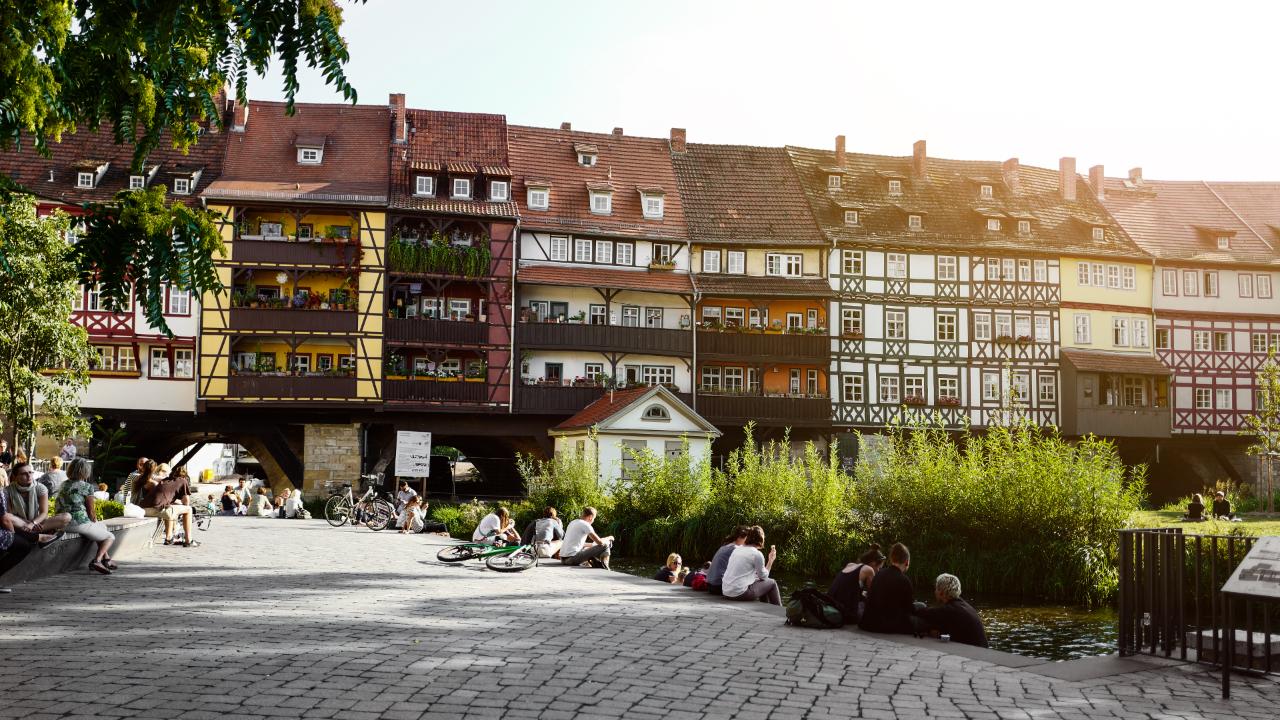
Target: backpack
(810,607)
(698,581)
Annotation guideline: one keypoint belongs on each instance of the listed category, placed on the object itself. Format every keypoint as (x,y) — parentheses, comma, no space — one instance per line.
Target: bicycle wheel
(380,515)
(522,558)
(337,511)
(458,553)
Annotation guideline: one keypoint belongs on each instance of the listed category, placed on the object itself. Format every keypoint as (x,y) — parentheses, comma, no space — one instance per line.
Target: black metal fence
(1171,602)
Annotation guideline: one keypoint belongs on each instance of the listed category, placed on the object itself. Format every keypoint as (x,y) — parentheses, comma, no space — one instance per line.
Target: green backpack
(810,607)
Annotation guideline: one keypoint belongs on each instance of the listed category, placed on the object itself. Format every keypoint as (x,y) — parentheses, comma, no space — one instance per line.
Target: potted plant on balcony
(949,401)
(914,400)
(477,371)
(1005,339)
(669,265)
(578,317)
(1024,339)
(775,327)
(852,335)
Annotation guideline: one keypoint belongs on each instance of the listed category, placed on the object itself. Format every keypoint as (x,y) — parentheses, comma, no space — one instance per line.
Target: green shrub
(567,483)
(461,520)
(107,509)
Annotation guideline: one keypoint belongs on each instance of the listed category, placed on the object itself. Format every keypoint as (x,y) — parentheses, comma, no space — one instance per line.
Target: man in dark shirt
(890,603)
(6,457)
(953,616)
(1222,506)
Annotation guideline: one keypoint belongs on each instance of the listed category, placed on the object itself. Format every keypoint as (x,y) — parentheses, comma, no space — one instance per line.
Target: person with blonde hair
(53,479)
(673,572)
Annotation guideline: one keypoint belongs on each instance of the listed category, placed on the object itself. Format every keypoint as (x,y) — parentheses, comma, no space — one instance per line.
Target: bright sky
(1184,90)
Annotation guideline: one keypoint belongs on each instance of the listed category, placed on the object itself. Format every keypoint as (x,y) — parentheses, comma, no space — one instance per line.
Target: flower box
(852,336)
(949,401)
(914,400)
(1004,338)
(662,266)
(1024,339)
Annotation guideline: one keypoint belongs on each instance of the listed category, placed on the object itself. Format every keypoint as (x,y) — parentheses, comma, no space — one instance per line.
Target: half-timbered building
(603,291)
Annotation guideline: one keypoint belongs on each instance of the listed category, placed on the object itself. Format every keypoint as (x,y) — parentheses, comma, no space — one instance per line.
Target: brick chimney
(919,161)
(239,115)
(1095,181)
(566,125)
(1011,177)
(1135,176)
(840,151)
(677,140)
(617,132)
(1067,178)
(400,119)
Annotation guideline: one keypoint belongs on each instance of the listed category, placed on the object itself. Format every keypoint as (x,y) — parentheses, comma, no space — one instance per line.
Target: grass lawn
(1254,523)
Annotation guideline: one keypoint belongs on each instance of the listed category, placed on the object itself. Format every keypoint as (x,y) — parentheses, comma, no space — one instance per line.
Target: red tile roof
(742,195)
(262,162)
(624,161)
(588,276)
(451,144)
(609,404)
(1257,204)
(1181,220)
(1111,362)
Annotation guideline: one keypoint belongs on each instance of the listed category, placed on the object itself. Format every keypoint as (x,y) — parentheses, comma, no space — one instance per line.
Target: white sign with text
(413,454)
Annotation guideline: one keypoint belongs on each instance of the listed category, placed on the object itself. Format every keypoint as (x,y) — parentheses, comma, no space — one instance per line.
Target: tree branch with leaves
(1264,424)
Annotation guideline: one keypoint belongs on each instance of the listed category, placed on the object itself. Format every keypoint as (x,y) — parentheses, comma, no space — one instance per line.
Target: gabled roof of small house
(612,405)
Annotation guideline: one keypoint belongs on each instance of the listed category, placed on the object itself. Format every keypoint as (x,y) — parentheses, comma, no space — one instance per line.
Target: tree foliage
(35,302)
(1264,424)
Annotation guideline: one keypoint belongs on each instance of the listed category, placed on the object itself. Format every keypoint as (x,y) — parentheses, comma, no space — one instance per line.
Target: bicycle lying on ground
(370,510)
(502,558)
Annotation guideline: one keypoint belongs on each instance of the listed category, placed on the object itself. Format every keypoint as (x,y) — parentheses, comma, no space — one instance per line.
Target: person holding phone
(747,575)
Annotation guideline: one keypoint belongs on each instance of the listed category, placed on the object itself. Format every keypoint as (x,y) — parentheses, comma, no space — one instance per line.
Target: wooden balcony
(259,251)
(604,338)
(563,399)
(430,331)
(290,387)
(435,391)
(735,410)
(294,320)
(1135,422)
(754,345)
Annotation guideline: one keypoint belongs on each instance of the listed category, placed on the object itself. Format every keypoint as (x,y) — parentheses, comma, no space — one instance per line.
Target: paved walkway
(274,618)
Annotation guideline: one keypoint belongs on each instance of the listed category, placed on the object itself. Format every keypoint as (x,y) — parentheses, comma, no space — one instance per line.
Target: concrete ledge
(73,552)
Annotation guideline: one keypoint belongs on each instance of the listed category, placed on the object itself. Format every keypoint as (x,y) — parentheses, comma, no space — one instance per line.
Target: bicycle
(500,558)
(370,510)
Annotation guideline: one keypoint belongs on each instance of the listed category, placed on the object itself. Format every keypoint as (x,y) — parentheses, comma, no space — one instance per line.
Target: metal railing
(1171,601)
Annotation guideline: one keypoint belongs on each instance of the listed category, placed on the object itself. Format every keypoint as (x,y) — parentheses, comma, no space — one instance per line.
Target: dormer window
(993,224)
(137,182)
(601,202)
(915,222)
(310,156)
(1224,242)
(182,186)
(499,190)
(833,182)
(85,179)
(850,217)
(539,198)
(586,159)
(424,185)
(986,192)
(653,206)
(656,413)
(895,187)
(461,189)
(1024,227)
(1099,234)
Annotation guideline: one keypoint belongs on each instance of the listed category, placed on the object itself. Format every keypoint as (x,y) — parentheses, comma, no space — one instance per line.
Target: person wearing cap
(952,616)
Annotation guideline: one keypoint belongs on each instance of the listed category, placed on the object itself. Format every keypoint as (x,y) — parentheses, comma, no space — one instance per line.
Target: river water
(1051,632)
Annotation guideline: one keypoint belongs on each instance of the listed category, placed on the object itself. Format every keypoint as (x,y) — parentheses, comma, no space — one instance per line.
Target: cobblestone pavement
(273,618)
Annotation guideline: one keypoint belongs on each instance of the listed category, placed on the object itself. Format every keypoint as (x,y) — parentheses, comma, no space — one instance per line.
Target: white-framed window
(1162,339)
(1141,332)
(77,300)
(890,390)
(985,192)
(624,253)
(1259,342)
(630,316)
(559,248)
(1190,283)
(993,224)
(737,262)
(946,327)
(915,222)
(1120,332)
(1046,387)
(1113,277)
(1024,227)
(459,308)
(601,203)
(990,385)
(581,250)
(1169,282)
(851,321)
(1082,274)
(946,267)
(1263,286)
(1246,285)
(179,301)
(734,317)
(710,377)
(604,251)
(125,359)
(895,187)
(137,182)
(785,265)
(1222,399)
(981,326)
(159,362)
(710,261)
(853,388)
(1099,234)
(993,269)
(106,357)
(310,156)
(462,188)
(949,387)
(182,186)
(913,386)
(1221,341)
(1084,331)
(1040,271)
(424,185)
(499,190)
(733,379)
(1224,242)
(1128,278)
(658,374)
(758,317)
(1201,340)
(1008,269)
(850,217)
(895,324)
(1134,390)
(833,182)
(1004,325)
(711,314)
(662,254)
(895,265)
(1024,271)
(539,198)
(85,179)
(183,363)
(1099,272)
(1204,398)
(1210,283)
(1020,382)
(1022,326)
(1042,328)
(795,321)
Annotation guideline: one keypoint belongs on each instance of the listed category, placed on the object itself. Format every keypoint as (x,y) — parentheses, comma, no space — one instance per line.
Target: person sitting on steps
(720,561)
(78,498)
(891,605)
(581,544)
(15,543)
(953,616)
(29,500)
(849,588)
(747,575)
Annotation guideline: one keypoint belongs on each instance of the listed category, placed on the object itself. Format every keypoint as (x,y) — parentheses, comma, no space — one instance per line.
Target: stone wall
(330,457)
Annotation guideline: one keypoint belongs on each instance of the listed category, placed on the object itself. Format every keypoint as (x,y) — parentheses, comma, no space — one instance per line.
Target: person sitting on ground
(953,616)
(582,546)
(673,571)
(260,505)
(277,504)
(697,580)
(78,498)
(15,542)
(53,479)
(29,500)
(890,606)
(546,533)
(245,494)
(849,588)
(166,499)
(68,451)
(210,504)
(293,503)
(747,575)
(496,527)
(720,561)
(102,494)
(411,516)
(1195,509)
(230,501)
(403,494)
(1222,507)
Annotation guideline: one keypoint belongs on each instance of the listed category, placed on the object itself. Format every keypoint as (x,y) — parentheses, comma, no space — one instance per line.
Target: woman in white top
(496,526)
(747,576)
(260,505)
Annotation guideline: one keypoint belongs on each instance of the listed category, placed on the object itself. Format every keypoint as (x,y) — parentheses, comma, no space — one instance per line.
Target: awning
(1116,363)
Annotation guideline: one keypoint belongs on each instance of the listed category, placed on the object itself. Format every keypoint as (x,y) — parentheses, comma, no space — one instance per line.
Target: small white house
(633,419)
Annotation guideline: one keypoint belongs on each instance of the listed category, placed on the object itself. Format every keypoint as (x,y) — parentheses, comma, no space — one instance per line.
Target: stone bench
(72,552)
